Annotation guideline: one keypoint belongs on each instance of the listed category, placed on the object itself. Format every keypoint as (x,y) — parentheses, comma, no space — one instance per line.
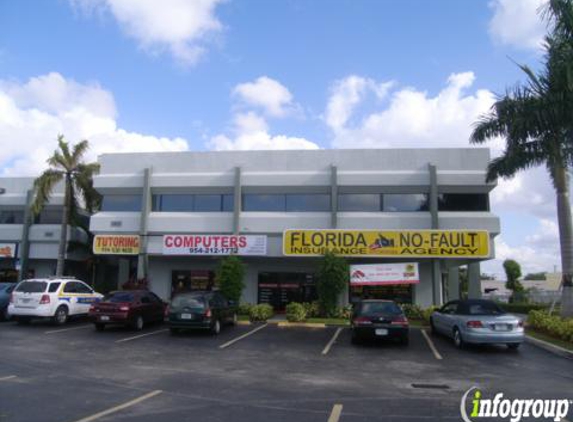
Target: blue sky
(245,74)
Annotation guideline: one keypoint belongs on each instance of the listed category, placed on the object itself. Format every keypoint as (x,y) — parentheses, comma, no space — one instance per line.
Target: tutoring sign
(116,244)
(384,274)
(202,244)
(385,243)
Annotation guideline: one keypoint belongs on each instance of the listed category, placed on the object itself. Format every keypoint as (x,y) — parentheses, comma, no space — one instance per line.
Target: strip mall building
(170,217)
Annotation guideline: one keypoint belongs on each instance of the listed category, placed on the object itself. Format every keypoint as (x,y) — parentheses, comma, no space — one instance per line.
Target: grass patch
(542,336)
(329,321)
(242,317)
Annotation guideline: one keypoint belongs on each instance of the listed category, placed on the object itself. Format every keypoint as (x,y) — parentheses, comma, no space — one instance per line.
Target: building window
(121,203)
(463,202)
(192,203)
(49,216)
(11,216)
(264,202)
(405,202)
(308,202)
(365,202)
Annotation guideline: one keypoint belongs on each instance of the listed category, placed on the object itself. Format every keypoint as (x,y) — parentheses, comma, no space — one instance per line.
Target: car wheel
(173,331)
(216,329)
(138,323)
(99,327)
(5,315)
(458,340)
(61,315)
(23,320)
(513,346)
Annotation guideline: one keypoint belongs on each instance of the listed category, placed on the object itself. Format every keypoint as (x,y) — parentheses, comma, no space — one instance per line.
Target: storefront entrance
(400,293)
(279,289)
(187,281)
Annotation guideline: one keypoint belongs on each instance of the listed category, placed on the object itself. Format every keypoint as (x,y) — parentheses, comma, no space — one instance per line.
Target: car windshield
(386,308)
(119,297)
(195,302)
(32,287)
(483,309)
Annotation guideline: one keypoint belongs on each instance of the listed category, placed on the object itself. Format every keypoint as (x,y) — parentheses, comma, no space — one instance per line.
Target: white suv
(55,298)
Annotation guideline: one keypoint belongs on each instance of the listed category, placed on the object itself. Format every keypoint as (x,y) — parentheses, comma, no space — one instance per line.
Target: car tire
(216,328)
(513,346)
(173,331)
(60,316)
(23,320)
(138,323)
(458,339)
(5,315)
(99,327)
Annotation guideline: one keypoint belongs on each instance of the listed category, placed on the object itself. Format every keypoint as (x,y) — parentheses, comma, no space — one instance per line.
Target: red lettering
(242,242)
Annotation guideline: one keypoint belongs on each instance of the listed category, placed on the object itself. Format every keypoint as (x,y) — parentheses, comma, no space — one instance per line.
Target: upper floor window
(49,216)
(463,202)
(404,202)
(11,216)
(303,202)
(192,202)
(365,202)
(308,202)
(121,203)
(264,202)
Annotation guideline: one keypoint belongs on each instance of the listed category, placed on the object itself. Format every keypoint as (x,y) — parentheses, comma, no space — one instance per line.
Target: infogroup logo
(512,409)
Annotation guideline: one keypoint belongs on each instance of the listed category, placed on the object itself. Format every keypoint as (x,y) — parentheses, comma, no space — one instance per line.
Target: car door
(448,317)
(81,297)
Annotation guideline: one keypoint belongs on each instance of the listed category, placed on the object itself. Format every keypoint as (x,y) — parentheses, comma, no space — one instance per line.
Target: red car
(132,308)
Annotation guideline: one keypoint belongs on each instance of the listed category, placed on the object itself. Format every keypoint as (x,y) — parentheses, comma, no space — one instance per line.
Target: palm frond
(43,187)
(78,152)
(512,161)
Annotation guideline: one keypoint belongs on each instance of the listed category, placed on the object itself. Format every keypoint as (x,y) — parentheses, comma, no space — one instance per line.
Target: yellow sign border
(136,252)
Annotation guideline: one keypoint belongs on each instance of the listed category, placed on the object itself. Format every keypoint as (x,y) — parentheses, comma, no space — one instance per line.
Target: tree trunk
(64,229)
(565,239)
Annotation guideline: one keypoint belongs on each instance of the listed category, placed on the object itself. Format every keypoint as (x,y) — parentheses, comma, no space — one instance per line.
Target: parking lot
(256,372)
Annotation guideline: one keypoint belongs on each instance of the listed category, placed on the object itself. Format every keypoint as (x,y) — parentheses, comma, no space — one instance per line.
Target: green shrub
(332,277)
(521,308)
(229,277)
(552,325)
(261,312)
(312,309)
(416,312)
(344,312)
(295,312)
(244,309)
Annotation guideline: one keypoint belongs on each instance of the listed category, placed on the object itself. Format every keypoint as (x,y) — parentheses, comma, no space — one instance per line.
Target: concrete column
(237,201)
(453,283)
(474,282)
(142,262)
(437,295)
(123,272)
(333,197)
(24,249)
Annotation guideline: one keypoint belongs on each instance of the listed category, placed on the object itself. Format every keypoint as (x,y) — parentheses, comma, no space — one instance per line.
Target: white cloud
(411,118)
(268,94)
(518,23)
(180,27)
(34,113)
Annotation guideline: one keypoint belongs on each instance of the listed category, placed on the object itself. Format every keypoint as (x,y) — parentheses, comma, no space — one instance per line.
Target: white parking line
(335,414)
(9,377)
(120,407)
(68,329)
(141,335)
(227,344)
(431,344)
(332,340)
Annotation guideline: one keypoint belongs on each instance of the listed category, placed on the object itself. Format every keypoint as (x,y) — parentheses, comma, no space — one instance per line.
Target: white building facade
(167,200)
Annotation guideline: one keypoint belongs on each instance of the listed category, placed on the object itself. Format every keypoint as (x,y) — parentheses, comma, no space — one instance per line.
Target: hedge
(261,312)
(522,308)
(295,312)
(552,325)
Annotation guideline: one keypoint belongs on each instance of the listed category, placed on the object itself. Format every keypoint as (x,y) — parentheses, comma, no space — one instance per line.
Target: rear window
(32,287)
(119,297)
(195,302)
(483,309)
(387,308)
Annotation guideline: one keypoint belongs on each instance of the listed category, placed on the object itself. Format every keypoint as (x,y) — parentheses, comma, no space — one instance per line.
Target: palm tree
(67,166)
(536,121)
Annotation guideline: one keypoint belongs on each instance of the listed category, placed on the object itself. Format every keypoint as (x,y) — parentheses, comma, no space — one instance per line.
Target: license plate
(25,300)
(381,332)
(104,318)
(502,327)
(186,316)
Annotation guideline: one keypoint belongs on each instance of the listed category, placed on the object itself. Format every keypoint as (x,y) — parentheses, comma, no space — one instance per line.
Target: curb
(556,350)
(302,324)
(243,322)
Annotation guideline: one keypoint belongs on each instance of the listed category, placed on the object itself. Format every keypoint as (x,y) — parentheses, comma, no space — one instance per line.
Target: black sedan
(375,319)
(203,310)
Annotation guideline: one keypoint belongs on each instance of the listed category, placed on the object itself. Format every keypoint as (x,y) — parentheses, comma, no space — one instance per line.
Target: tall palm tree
(66,165)
(536,121)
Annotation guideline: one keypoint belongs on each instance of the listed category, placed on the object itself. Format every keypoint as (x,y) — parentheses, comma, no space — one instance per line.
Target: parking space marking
(231,342)
(120,407)
(9,377)
(141,335)
(431,344)
(335,414)
(68,329)
(332,340)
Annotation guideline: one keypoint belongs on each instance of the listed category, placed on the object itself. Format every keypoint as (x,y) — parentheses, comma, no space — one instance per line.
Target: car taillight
(401,320)
(124,308)
(92,308)
(45,299)
(362,320)
(474,324)
(208,313)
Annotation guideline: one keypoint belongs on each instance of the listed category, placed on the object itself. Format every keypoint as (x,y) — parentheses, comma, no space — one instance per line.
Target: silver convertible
(477,321)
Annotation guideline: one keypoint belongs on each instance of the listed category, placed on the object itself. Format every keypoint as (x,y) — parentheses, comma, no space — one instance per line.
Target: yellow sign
(116,244)
(382,243)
